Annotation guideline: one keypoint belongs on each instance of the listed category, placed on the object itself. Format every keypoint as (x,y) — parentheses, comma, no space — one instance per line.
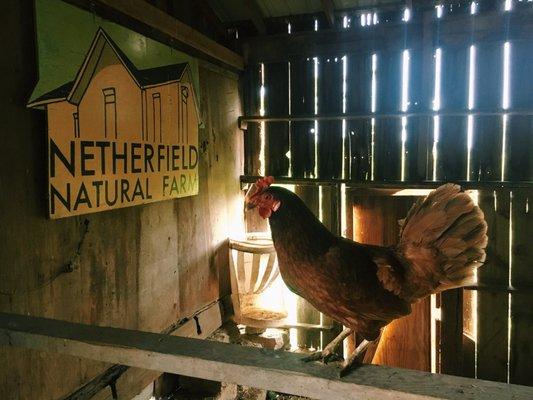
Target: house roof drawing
(73,91)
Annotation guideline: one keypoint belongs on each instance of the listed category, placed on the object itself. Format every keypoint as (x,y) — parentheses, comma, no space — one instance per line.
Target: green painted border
(65,33)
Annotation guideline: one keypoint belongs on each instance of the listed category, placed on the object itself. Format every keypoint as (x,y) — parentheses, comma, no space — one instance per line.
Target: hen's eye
(268,197)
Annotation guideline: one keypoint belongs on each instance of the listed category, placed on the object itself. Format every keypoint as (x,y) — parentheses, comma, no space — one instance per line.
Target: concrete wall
(141,267)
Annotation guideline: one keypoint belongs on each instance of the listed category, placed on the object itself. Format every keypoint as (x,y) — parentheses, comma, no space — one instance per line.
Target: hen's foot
(356,359)
(328,353)
(324,356)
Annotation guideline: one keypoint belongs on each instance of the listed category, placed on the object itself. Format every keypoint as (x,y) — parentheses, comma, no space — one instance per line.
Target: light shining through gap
(440,10)
(436,107)
(406,15)
(405,105)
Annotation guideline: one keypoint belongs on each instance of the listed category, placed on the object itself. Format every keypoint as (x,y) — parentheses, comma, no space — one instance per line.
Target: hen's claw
(325,356)
(356,359)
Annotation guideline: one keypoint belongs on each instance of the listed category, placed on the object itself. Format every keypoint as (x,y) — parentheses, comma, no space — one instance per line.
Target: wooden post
(451,333)
(306,313)
(521,351)
(493,307)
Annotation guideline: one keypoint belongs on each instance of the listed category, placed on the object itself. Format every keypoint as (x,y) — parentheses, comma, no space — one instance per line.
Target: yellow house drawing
(113,112)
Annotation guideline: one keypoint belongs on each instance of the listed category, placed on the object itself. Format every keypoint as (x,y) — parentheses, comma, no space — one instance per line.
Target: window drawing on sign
(184,137)
(110,112)
(156,107)
(76,120)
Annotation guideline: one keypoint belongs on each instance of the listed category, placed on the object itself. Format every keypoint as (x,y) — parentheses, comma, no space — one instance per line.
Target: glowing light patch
(440,10)
(406,15)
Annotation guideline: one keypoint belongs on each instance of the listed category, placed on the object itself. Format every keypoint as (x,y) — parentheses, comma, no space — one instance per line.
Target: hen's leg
(329,351)
(356,358)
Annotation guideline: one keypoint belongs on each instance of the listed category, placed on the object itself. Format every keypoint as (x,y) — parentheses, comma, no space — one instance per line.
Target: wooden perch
(267,369)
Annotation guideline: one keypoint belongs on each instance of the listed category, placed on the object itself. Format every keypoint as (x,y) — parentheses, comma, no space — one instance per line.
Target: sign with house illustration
(120,136)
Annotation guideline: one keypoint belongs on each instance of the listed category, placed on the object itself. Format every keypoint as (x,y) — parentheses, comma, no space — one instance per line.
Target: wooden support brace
(200,325)
(280,371)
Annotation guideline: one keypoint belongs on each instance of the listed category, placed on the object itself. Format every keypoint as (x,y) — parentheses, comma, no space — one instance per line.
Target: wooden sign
(119,136)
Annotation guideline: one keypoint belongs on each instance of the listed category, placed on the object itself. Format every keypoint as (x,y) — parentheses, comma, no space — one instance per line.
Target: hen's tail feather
(442,242)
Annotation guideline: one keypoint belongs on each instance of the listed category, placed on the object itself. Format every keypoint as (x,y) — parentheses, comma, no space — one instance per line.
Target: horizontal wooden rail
(243,120)
(392,185)
(268,369)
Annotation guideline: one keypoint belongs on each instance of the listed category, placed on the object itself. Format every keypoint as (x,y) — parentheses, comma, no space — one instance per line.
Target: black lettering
(183,181)
(84,156)
(160,156)
(124,187)
(55,152)
(102,146)
(148,155)
(165,184)
(137,191)
(82,198)
(148,195)
(120,156)
(54,193)
(174,186)
(183,157)
(193,151)
(97,185)
(107,201)
(175,157)
(135,157)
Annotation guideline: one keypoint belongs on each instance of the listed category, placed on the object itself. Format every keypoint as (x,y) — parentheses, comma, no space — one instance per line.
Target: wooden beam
(329,9)
(267,369)
(255,14)
(200,325)
(148,15)
(454,31)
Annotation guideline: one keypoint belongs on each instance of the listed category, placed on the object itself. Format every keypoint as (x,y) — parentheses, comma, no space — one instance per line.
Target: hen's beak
(248,204)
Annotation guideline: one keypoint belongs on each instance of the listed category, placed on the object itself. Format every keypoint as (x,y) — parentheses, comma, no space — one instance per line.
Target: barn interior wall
(141,267)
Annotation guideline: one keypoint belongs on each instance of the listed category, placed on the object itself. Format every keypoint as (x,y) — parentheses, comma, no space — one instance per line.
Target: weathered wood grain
(129,268)
(268,369)
(493,307)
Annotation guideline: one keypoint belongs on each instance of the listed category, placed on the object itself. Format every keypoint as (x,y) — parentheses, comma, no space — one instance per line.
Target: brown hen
(365,287)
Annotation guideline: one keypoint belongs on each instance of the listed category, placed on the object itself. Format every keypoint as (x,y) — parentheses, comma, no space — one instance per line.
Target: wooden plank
(251,98)
(488,131)
(394,185)
(267,369)
(358,145)
(329,132)
(493,307)
(147,14)
(453,133)
(388,131)
(454,29)
(451,332)
(277,133)
(520,128)
(521,348)
(302,101)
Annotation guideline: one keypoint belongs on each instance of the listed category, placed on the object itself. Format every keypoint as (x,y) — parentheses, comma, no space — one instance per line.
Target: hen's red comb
(263,183)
